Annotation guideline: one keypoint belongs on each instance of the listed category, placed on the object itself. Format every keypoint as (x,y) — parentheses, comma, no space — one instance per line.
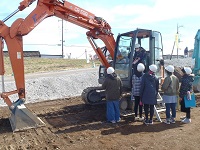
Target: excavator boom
(97,28)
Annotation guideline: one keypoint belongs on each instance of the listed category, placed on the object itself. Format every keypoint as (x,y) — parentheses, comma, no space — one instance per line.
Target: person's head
(187,70)
(169,69)
(124,53)
(153,68)
(140,67)
(137,47)
(110,70)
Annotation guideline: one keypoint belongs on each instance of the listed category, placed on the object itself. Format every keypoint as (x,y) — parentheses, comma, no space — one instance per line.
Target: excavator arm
(97,28)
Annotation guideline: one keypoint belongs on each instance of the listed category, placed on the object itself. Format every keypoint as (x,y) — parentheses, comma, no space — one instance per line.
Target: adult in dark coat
(139,57)
(148,93)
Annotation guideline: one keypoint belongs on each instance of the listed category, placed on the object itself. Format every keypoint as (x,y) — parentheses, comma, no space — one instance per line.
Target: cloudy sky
(122,15)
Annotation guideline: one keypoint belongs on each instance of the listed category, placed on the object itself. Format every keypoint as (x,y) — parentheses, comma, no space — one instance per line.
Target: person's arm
(133,79)
(104,84)
(142,85)
(157,85)
(177,87)
(165,84)
(121,84)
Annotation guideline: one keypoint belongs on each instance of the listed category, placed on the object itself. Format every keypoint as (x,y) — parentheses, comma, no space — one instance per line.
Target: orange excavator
(120,53)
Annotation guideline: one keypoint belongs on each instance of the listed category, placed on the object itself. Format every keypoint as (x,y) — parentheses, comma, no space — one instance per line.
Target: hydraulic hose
(9,16)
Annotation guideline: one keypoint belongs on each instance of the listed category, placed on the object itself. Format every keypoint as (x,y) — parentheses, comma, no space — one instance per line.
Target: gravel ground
(181,62)
(54,85)
(64,84)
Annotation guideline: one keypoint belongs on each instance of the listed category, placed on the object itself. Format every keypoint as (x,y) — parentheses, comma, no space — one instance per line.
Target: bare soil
(72,125)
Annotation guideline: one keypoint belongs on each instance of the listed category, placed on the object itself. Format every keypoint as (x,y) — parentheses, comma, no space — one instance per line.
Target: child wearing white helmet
(186,86)
(148,93)
(170,88)
(135,94)
(113,89)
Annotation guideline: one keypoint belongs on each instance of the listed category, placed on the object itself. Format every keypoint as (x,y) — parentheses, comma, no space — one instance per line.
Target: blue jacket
(149,89)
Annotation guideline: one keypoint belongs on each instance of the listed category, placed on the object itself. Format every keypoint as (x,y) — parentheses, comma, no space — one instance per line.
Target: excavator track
(93,95)
(96,96)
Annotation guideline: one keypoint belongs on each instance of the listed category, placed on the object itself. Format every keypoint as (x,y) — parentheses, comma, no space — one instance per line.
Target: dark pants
(148,108)
(184,109)
(137,103)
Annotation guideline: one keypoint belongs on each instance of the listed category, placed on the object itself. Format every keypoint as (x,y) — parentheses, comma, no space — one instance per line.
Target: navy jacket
(186,84)
(149,89)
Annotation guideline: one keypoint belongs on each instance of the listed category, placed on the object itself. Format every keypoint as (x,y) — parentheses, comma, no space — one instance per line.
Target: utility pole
(177,44)
(62,37)
(86,56)
(177,40)
(62,40)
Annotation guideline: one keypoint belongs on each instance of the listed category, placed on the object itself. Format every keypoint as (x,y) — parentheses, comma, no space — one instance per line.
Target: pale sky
(122,15)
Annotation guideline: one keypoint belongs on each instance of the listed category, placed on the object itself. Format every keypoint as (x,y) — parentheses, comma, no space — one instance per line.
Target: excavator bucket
(22,119)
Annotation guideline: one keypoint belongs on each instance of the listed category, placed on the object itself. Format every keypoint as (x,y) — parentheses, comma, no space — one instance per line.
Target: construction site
(66,109)
(70,124)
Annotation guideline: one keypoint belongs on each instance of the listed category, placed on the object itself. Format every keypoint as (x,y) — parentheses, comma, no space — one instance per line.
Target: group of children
(145,90)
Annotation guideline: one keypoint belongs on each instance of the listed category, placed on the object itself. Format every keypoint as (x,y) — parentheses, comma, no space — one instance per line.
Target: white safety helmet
(170,68)
(153,68)
(110,70)
(188,70)
(137,45)
(140,67)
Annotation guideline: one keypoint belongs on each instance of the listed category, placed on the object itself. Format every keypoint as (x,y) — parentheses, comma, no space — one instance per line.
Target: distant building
(35,54)
(50,56)
(26,54)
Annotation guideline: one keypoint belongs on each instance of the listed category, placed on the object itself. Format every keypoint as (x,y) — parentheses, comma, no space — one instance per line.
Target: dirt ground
(71,125)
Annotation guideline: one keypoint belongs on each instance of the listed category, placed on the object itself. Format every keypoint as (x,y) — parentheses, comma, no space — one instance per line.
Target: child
(136,82)
(170,88)
(186,85)
(148,93)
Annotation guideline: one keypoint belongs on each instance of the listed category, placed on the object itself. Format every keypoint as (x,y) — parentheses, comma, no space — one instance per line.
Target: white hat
(140,67)
(137,45)
(188,70)
(153,68)
(170,68)
(110,70)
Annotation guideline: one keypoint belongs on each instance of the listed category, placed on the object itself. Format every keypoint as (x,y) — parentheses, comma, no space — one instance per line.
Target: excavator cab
(150,41)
